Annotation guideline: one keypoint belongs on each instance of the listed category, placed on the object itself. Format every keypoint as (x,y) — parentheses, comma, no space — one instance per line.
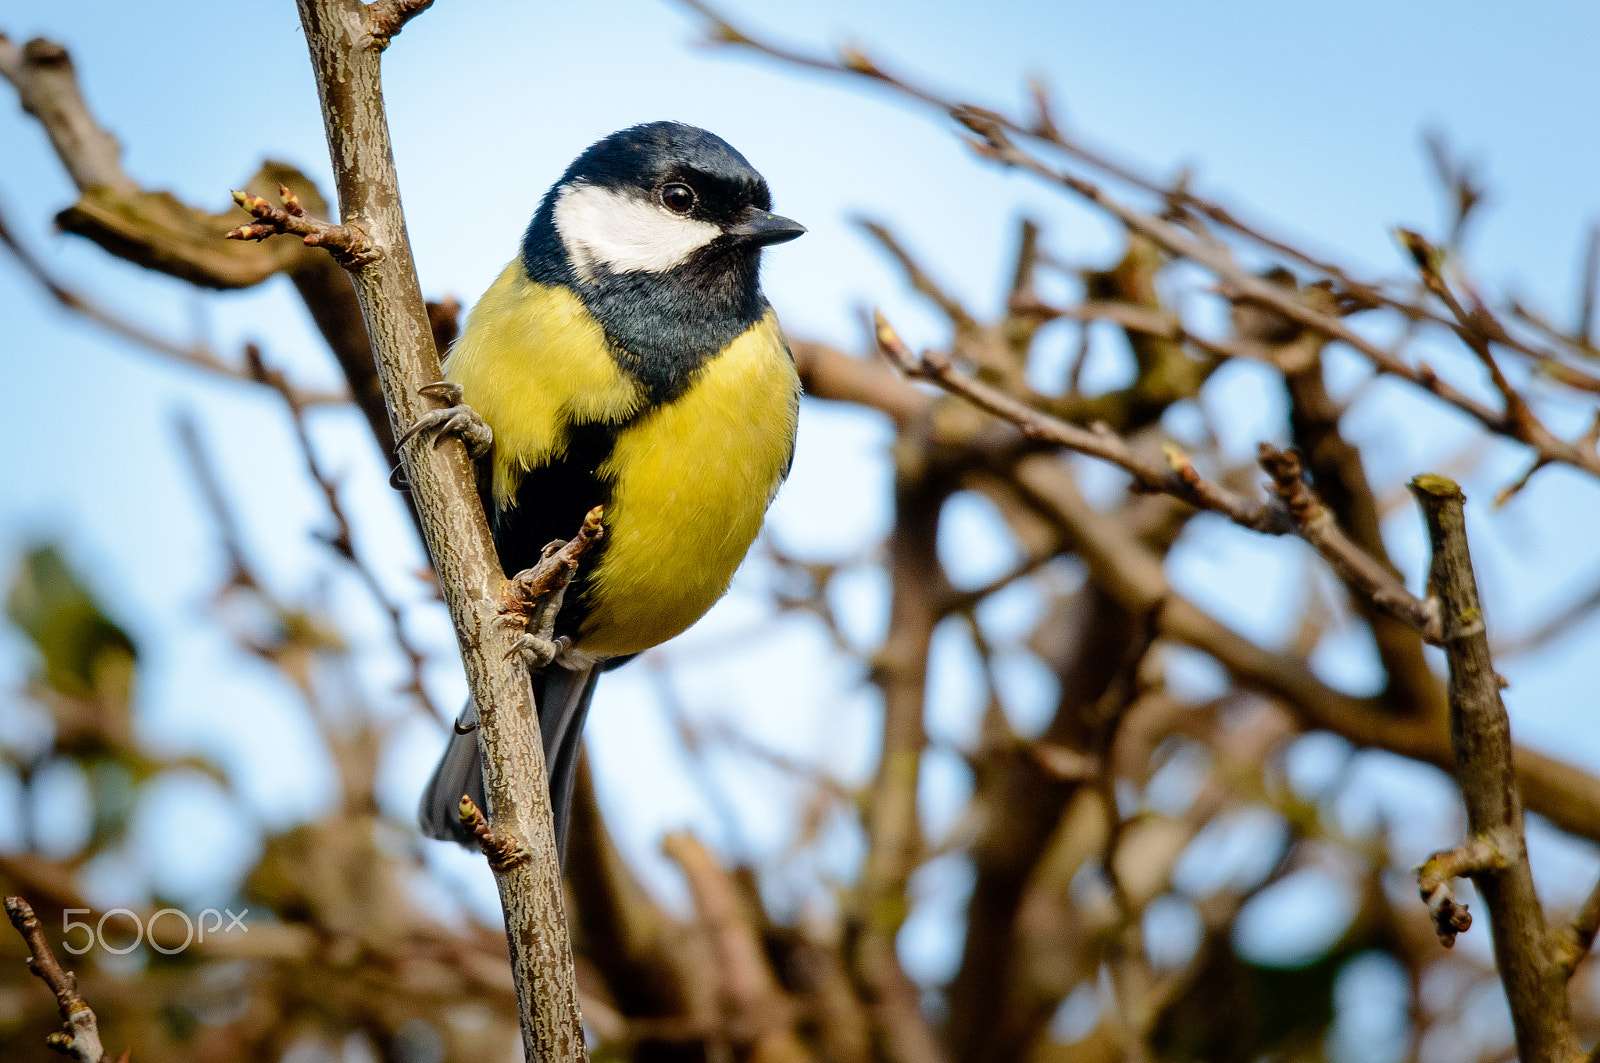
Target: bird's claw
(457,419)
(537,651)
(446,391)
(537,643)
(530,601)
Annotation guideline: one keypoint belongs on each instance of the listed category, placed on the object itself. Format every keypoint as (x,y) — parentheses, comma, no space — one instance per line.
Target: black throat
(662,327)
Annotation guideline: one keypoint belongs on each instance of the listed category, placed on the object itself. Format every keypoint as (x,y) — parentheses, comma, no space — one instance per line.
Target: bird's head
(655,199)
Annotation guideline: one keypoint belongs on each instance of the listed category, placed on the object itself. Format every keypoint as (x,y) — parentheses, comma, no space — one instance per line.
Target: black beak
(763,227)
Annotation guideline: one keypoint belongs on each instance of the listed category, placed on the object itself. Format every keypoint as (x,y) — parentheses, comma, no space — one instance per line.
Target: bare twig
(1177,196)
(1560,623)
(1241,284)
(502,849)
(1181,481)
(1366,576)
(1480,735)
(156,230)
(212,493)
(1568,796)
(1298,511)
(345,60)
(757,1011)
(1450,916)
(342,539)
(894,837)
(346,243)
(527,590)
(79,1036)
(195,355)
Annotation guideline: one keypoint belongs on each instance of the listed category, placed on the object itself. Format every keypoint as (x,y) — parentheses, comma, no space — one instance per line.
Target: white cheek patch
(625,233)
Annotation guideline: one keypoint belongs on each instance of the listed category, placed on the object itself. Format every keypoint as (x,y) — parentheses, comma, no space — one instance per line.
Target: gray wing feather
(563,698)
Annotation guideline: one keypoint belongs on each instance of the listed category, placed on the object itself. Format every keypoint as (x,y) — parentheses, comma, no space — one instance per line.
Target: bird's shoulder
(531,360)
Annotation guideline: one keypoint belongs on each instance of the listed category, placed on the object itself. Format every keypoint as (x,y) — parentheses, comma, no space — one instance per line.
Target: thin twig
(1362,573)
(342,539)
(1241,284)
(240,573)
(502,849)
(195,355)
(347,243)
(1574,941)
(79,1036)
(1553,627)
(1097,441)
(1177,196)
(1297,509)
(531,587)
(1450,916)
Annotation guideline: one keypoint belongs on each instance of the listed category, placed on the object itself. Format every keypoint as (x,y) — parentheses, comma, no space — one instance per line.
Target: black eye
(678,198)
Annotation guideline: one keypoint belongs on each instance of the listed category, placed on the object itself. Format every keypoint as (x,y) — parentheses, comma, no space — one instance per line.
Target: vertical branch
(757,1013)
(1496,855)
(893,836)
(345,46)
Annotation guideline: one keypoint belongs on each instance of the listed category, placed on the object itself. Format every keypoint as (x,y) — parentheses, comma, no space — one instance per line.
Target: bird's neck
(663,326)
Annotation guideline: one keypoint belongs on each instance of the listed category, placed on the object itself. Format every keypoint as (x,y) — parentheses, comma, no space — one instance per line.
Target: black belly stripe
(552,501)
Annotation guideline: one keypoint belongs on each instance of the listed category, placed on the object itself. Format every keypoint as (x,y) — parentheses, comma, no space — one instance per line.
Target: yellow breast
(693,480)
(690,479)
(531,360)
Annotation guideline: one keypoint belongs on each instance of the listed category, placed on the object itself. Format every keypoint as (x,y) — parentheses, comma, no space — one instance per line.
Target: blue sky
(1308,116)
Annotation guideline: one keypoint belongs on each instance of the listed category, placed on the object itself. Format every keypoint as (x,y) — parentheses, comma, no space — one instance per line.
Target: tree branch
(194,354)
(1450,917)
(894,837)
(758,1014)
(1566,795)
(79,1036)
(1572,943)
(1336,468)
(1300,510)
(998,146)
(389,17)
(159,232)
(47,87)
(346,243)
(345,58)
(1480,736)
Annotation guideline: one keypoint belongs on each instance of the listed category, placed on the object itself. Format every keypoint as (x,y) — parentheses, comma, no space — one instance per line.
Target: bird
(625,358)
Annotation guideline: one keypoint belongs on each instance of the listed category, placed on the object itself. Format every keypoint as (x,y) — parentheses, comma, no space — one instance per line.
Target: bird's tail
(563,697)
(458,772)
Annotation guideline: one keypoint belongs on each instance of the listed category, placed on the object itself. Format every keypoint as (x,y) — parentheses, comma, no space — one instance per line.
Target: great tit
(626,358)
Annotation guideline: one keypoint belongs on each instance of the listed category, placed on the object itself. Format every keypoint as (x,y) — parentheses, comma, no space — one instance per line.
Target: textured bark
(345,58)
(1480,735)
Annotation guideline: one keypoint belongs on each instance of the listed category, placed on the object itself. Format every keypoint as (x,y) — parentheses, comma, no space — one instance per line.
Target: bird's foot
(529,603)
(534,615)
(537,651)
(457,419)
(531,600)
